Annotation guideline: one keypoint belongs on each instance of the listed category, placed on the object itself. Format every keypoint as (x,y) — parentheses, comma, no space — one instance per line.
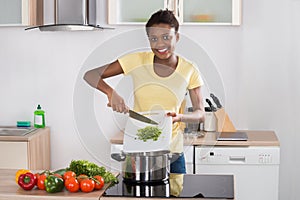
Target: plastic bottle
(39,117)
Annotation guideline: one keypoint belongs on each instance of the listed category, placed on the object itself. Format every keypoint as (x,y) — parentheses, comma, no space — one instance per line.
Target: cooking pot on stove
(145,166)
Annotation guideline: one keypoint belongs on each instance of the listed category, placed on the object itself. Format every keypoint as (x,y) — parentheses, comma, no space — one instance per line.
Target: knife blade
(141,117)
(216,100)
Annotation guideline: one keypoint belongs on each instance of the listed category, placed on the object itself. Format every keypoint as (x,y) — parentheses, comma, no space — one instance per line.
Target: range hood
(72,15)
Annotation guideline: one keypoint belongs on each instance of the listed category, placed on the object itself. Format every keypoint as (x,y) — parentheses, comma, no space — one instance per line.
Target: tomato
(41,181)
(87,185)
(69,174)
(99,182)
(36,178)
(72,184)
(82,177)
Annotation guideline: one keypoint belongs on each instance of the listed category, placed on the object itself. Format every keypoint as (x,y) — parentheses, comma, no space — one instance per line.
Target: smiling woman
(101,124)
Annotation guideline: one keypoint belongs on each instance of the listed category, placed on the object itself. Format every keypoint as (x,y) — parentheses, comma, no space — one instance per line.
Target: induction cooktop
(194,186)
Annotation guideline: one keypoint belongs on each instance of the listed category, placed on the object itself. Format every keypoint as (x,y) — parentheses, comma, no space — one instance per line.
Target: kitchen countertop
(27,137)
(10,190)
(255,138)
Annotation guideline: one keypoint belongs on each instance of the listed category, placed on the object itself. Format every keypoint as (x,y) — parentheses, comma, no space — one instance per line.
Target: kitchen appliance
(255,168)
(194,186)
(72,15)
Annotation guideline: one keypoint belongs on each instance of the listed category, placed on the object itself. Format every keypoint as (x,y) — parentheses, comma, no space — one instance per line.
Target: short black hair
(165,17)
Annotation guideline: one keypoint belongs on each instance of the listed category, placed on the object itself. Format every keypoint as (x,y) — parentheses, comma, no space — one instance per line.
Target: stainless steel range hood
(72,15)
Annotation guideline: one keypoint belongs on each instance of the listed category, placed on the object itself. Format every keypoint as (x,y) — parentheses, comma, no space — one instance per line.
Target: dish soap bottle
(39,117)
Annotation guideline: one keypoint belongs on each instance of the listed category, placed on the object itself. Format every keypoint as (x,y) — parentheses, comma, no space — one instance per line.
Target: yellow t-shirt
(152,92)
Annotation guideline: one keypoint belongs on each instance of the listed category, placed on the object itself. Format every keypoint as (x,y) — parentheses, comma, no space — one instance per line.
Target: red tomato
(41,181)
(99,182)
(36,178)
(82,177)
(72,184)
(69,174)
(87,185)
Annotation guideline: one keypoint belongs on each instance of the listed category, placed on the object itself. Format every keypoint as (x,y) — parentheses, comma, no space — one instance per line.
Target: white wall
(257,61)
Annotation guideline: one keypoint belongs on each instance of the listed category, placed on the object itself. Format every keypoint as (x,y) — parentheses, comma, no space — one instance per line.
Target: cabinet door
(13,155)
(135,11)
(21,12)
(210,12)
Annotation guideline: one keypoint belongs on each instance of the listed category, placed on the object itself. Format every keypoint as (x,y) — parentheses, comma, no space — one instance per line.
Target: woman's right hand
(117,103)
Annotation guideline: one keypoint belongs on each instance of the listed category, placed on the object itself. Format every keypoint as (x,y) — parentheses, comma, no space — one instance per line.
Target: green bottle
(39,118)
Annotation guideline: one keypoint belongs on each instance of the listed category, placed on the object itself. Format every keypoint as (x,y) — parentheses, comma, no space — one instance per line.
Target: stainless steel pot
(145,166)
(157,189)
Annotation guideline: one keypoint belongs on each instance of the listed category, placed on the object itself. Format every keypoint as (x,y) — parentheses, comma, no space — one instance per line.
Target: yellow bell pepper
(19,172)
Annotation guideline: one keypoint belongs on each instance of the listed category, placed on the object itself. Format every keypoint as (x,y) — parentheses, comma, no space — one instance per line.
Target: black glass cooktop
(194,186)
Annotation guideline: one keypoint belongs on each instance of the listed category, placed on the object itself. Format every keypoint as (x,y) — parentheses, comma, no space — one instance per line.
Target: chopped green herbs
(148,133)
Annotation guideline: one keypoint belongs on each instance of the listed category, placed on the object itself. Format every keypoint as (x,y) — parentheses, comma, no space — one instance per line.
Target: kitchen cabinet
(134,11)
(21,12)
(189,12)
(31,151)
(209,12)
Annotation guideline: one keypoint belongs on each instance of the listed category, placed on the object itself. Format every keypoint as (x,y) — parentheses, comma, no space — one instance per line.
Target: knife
(141,118)
(216,100)
(211,105)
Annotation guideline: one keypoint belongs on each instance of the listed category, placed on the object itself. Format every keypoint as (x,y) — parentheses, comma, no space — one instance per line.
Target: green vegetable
(148,133)
(60,172)
(91,169)
(54,184)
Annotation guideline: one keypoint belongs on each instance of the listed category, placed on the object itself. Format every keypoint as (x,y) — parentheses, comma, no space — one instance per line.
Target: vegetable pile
(81,175)
(148,133)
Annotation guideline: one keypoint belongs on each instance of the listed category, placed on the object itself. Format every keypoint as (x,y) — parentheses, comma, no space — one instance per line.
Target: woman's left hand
(175,117)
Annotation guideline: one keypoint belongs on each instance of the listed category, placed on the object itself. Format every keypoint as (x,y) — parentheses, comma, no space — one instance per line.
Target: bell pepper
(54,184)
(27,181)
(19,172)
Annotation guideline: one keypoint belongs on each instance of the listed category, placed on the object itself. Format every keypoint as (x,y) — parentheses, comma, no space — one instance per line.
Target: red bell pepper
(27,181)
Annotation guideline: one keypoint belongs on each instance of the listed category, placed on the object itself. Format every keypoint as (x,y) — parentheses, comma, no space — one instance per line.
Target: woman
(161,79)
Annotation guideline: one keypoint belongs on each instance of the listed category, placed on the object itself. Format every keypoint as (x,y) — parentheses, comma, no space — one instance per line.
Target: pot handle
(118,156)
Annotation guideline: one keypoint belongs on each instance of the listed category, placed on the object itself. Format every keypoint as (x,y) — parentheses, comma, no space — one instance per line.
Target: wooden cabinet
(21,12)
(31,151)
(189,12)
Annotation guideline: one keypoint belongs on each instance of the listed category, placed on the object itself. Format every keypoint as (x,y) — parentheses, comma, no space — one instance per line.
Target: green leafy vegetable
(91,169)
(148,133)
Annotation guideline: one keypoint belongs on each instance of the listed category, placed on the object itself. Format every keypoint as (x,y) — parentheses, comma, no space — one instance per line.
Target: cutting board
(132,144)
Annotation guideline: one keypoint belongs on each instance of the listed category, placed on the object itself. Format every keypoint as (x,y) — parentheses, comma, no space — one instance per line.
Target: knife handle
(211,105)
(216,100)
